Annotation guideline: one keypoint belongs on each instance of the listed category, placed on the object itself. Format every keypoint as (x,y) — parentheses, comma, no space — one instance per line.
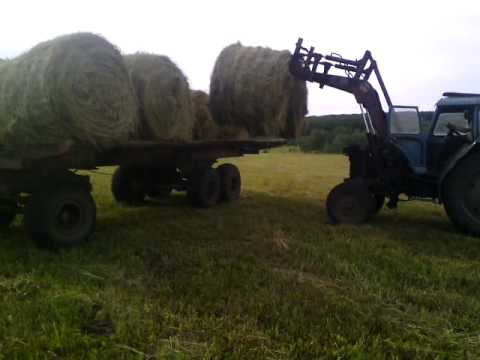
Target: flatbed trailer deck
(42,183)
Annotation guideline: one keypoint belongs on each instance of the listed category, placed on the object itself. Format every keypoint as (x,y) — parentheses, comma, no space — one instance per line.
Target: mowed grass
(266,278)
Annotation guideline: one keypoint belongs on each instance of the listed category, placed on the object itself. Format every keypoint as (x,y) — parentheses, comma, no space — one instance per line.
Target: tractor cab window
(404,120)
(459,119)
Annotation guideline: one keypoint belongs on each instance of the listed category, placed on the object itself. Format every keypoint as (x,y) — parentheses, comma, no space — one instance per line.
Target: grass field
(267,278)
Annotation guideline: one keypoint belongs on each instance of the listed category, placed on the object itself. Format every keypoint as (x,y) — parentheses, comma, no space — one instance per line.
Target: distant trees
(332,133)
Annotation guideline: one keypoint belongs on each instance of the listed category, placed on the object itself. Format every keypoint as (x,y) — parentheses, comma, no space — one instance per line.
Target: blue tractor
(400,160)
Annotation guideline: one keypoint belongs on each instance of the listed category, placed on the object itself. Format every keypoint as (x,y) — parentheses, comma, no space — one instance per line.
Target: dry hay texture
(205,127)
(252,89)
(165,104)
(72,88)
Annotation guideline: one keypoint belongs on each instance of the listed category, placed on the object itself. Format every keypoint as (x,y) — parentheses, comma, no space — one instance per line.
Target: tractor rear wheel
(461,195)
(350,202)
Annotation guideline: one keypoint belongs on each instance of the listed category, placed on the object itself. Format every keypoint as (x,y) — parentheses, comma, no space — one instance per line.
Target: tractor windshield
(459,119)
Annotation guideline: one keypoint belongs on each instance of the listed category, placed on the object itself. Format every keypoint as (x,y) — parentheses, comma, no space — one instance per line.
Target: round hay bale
(251,88)
(232,133)
(165,105)
(72,88)
(205,127)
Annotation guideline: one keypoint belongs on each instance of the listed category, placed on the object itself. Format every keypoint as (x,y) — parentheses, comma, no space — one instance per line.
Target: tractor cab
(452,131)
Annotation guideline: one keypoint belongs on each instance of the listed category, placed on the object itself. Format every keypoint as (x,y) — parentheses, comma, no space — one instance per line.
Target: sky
(423,48)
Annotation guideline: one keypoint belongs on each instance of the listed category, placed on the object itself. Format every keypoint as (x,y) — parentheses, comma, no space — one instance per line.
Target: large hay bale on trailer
(72,88)
(163,92)
(251,88)
(205,127)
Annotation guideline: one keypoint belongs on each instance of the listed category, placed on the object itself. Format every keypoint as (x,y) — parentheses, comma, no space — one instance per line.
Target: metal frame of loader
(42,182)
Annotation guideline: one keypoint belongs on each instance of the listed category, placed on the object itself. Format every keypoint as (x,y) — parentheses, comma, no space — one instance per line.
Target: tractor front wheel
(350,202)
(461,195)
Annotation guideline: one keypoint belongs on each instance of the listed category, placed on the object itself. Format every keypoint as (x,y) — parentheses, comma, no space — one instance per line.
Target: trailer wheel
(204,188)
(7,214)
(461,195)
(60,217)
(230,182)
(160,181)
(160,193)
(379,201)
(6,220)
(350,202)
(128,185)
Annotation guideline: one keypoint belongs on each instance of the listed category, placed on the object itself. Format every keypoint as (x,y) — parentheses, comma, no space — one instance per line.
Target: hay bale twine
(205,127)
(72,88)
(165,104)
(251,88)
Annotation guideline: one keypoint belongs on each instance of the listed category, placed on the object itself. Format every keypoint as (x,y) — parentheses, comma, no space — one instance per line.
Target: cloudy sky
(422,47)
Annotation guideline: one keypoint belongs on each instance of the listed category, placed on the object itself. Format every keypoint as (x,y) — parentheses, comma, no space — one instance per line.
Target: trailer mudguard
(464,151)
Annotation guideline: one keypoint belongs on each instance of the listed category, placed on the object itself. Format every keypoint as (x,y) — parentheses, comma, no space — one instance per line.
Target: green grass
(267,278)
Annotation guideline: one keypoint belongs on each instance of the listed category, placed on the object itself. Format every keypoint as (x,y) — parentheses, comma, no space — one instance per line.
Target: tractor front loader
(399,159)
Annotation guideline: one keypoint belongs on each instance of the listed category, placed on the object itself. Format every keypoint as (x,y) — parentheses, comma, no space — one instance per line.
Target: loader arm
(308,65)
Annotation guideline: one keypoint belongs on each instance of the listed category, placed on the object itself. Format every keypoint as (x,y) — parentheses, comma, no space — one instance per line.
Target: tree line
(332,133)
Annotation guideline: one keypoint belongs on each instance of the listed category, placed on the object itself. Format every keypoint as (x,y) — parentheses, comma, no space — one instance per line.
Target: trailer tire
(8,213)
(461,195)
(379,201)
(160,181)
(204,188)
(6,219)
(128,185)
(230,182)
(160,193)
(60,217)
(350,202)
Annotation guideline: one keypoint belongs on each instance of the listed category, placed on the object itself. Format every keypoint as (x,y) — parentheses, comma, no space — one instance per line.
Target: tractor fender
(464,151)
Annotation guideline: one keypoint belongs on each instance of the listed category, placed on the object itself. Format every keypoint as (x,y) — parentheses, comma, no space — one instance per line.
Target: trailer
(42,183)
